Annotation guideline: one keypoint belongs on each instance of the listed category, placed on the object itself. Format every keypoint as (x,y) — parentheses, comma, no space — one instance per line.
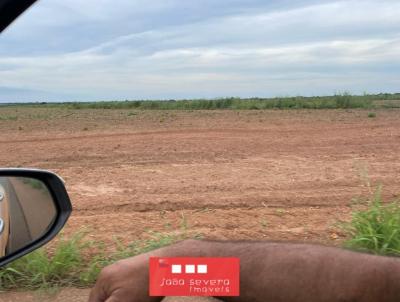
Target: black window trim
(11,9)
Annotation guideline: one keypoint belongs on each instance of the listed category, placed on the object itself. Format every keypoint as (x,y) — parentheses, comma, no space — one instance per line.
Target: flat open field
(274,174)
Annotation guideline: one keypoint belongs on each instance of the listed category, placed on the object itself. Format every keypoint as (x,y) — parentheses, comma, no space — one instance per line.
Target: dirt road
(282,175)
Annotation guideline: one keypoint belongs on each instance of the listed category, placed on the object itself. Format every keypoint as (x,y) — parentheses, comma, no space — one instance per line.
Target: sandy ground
(271,175)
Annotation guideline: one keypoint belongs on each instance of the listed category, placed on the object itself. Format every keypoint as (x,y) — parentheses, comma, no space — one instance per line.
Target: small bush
(343,100)
(377,228)
(371,114)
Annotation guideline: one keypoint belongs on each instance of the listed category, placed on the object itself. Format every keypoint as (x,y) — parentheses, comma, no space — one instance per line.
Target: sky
(94,50)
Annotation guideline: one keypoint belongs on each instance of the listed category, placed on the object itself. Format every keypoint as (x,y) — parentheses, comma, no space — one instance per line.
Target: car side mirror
(34,206)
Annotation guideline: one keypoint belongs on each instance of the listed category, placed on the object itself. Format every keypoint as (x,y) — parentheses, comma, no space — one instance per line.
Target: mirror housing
(58,206)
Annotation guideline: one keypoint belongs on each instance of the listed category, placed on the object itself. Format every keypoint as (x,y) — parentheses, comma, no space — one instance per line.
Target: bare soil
(279,175)
(270,175)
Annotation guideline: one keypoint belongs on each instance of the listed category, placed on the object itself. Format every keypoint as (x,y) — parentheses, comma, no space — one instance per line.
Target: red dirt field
(276,175)
(271,175)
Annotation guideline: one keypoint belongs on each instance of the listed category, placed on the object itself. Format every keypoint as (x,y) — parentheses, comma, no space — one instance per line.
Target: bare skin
(269,272)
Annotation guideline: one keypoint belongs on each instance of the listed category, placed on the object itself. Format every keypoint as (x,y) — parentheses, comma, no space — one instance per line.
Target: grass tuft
(39,270)
(376,229)
(68,263)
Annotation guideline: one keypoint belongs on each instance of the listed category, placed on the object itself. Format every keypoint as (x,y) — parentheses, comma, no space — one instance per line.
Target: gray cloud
(180,49)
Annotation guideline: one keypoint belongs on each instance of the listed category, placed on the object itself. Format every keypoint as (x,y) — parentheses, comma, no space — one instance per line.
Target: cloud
(166,49)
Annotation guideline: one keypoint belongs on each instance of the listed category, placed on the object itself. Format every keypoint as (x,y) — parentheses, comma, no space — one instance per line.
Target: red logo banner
(194,276)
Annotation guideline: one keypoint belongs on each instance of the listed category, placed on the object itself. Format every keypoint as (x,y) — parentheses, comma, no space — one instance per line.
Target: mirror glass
(27,211)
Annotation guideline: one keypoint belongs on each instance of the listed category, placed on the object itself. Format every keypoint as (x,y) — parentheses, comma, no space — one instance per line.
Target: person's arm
(268,272)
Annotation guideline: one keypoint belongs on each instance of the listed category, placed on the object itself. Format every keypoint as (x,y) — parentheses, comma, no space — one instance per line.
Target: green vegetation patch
(72,262)
(376,229)
(337,101)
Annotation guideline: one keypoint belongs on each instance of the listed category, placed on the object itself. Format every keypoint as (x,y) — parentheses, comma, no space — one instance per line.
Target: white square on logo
(189,269)
(202,269)
(176,268)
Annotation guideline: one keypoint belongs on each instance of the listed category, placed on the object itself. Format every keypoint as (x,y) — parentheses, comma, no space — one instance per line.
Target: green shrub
(343,100)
